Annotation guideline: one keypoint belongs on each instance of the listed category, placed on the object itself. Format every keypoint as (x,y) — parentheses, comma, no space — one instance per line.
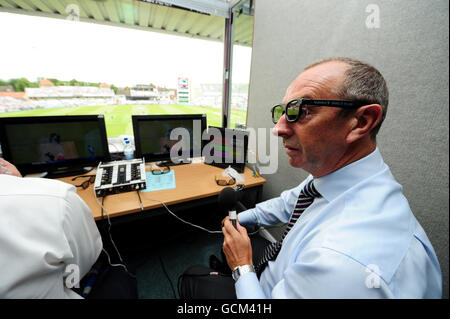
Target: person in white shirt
(351,232)
(48,237)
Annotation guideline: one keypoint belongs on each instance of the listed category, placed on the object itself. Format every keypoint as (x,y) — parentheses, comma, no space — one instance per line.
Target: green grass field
(118,117)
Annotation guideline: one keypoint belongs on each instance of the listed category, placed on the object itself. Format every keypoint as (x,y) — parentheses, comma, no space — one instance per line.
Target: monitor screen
(157,136)
(52,143)
(226,147)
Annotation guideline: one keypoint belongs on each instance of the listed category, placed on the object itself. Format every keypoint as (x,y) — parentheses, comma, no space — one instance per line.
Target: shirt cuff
(248,287)
(247,217)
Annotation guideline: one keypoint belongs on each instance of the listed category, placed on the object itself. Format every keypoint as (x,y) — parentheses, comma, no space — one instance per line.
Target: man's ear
(363,121)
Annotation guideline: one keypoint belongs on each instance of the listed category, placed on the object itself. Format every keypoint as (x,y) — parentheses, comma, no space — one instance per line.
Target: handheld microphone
(228,199)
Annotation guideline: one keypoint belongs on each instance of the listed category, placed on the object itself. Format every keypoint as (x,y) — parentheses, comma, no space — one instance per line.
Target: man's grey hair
(363,83)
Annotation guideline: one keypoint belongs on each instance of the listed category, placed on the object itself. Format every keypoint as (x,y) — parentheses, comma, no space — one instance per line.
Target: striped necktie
(305,199)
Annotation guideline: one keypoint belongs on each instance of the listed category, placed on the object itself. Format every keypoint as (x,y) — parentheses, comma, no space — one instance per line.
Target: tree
(19,85)
(56,82)
(114,88)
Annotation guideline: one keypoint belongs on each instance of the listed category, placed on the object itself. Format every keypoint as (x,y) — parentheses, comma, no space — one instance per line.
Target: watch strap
(240,270)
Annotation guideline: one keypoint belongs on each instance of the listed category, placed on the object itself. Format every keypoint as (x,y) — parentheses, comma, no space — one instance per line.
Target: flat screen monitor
(58,145)
(226,147)
(168,139)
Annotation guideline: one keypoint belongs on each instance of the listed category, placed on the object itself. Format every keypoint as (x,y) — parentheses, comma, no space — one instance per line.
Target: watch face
(238,271)
(235,274)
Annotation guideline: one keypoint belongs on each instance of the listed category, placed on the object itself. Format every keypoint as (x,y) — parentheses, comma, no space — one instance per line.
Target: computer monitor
(226,147)
(157,137)
(58,145)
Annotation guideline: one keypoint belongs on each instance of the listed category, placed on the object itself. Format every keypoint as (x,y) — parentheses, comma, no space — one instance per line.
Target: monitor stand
(66,171)
(170,163)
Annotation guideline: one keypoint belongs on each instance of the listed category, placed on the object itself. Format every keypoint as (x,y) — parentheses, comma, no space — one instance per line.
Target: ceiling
(202,19)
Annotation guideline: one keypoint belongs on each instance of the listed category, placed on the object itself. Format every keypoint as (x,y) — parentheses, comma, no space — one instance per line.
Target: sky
(33,47)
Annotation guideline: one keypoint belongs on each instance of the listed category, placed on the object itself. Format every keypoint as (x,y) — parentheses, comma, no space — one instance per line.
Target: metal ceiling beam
(25,5)
(91,8)
(201,22)
(171,21)
(91,20)
(40,5)
(59,6)
(218,32)
(143,15)
(110,8)
(158,16)
(213,7)
(7,4)
(84,12)
(242,27)
(128,11)
(50,6)
(184,25)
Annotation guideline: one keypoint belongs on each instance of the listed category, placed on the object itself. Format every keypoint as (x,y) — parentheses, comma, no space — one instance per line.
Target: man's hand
(236,244)
(8,168)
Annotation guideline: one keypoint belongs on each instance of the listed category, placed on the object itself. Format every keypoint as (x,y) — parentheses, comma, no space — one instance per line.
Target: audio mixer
(120,176)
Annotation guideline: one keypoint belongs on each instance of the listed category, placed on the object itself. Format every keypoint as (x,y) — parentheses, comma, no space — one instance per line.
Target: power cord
(111,239)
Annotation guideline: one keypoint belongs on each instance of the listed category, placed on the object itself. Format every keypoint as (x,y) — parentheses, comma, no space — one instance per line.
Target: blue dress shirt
(359,240)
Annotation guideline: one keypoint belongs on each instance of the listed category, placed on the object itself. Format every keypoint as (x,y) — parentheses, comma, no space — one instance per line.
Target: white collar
(332,185)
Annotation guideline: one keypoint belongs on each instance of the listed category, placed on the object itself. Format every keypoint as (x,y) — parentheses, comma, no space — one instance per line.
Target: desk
(193,182)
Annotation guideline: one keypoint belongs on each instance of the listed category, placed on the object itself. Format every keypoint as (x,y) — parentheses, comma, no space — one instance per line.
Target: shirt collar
(332,185)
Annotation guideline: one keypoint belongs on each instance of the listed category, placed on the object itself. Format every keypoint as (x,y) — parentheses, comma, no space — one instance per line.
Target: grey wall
(410,48)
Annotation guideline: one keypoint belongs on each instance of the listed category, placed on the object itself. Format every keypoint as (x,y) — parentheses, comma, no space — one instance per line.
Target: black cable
(140,201)
(103,200)
(168,278)
(178,284)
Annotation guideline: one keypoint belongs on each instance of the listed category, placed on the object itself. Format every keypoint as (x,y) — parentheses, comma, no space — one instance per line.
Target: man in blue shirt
(351,232)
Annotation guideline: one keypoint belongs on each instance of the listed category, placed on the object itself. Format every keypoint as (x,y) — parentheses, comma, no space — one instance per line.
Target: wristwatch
(240,270)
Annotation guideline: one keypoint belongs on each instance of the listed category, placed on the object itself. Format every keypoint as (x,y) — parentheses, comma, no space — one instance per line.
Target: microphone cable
(182,220)
(189,223)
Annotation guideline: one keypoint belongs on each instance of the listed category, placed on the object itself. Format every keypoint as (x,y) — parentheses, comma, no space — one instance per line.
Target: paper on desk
(159,182)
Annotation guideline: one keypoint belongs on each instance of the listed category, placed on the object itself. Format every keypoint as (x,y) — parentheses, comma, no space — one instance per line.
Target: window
(118,67)
(78,68)
(242,35)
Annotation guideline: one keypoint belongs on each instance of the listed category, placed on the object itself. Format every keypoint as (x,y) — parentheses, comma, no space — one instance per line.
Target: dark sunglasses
(294,108)
(86,183)
(164,170)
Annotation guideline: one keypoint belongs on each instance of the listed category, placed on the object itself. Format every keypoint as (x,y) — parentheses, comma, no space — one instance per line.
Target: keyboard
(120,176)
